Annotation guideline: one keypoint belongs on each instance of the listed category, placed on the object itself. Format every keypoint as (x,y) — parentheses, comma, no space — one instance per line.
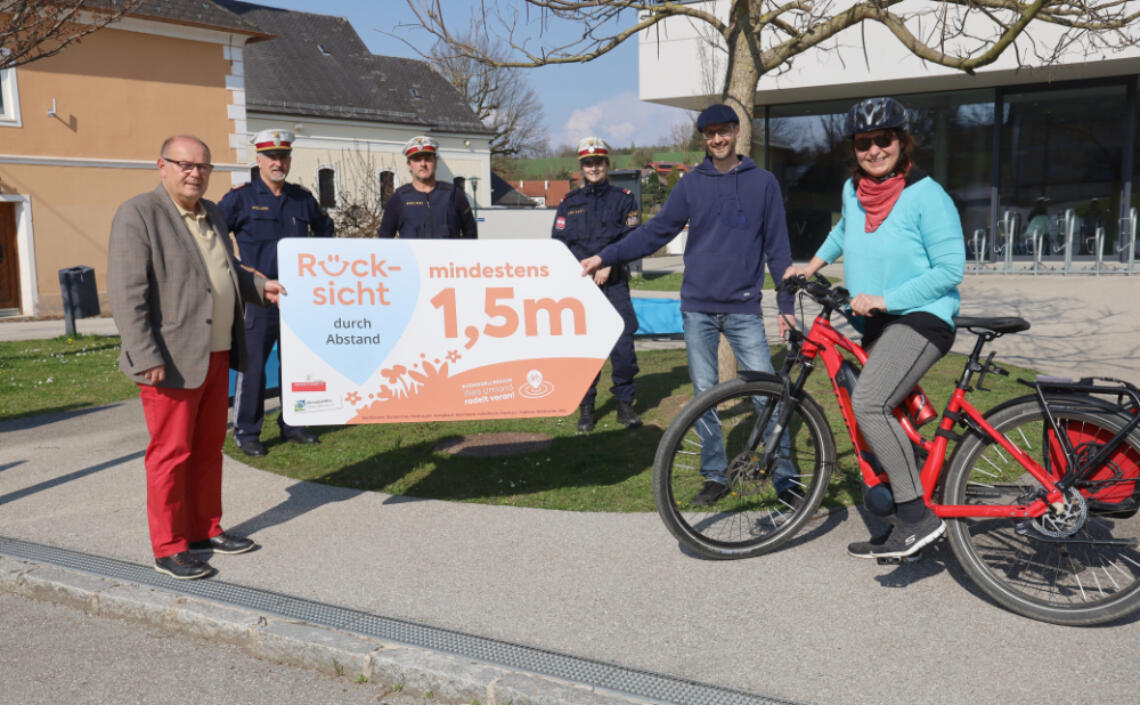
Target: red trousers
(184,459)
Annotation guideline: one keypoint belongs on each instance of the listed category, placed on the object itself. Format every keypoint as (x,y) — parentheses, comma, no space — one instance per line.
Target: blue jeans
(745,334)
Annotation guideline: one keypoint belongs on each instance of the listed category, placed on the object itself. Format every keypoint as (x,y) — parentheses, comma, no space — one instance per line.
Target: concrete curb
(386,665)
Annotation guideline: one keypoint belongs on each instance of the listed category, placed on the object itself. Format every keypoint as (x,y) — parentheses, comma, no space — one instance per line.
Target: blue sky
(596,98)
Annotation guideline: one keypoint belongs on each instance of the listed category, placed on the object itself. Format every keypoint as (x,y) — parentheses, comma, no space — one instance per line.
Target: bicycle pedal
(912,558)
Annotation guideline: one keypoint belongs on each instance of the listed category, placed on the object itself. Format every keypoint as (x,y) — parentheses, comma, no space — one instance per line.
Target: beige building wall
(92,121)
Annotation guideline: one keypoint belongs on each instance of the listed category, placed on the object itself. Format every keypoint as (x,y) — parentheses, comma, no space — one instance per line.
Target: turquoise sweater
(914,260)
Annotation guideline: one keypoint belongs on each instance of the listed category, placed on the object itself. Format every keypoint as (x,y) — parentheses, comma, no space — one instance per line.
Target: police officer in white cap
(427,208)
(588,219)
(259,214)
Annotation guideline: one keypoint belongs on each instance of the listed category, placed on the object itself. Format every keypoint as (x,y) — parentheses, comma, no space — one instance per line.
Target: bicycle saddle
(998,324)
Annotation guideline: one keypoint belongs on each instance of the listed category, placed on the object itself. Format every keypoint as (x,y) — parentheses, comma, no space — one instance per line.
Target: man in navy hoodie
(736,224)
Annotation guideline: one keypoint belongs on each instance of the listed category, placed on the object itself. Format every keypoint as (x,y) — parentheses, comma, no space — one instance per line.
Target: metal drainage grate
(644,684)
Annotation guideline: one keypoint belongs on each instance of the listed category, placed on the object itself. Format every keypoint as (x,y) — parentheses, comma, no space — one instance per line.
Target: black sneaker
(222,543)
(252,447)
(709,494)
(863,549)
(299,435)
(906,539)
(791,497)
(626,416)
(585,418)
(182,566)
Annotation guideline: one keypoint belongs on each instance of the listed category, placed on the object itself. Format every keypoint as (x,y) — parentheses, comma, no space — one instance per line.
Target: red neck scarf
(878,198)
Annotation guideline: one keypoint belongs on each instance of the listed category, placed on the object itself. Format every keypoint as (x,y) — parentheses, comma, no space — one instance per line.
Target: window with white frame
(326,187)
(9,99)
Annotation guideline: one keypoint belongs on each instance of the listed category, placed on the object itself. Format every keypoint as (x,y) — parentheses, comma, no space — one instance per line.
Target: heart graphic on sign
(346,296)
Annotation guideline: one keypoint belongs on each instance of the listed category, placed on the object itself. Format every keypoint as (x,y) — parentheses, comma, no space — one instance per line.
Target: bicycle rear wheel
(1077,567)
(755,516)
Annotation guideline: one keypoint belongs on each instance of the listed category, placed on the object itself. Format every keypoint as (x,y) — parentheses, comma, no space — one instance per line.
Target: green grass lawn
(60,374)
(608,470)
(670,281)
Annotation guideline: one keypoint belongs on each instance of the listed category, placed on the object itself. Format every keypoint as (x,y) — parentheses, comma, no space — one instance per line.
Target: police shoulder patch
(560,223)
(632,219)
(627,192)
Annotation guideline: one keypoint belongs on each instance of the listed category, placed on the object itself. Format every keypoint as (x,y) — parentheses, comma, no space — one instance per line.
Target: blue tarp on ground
(270,372)
(657,316)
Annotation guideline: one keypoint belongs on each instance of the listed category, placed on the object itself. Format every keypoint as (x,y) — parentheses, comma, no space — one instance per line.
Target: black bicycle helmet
(874,114)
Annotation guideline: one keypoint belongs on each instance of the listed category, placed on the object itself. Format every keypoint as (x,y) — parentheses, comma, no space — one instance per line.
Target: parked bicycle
(1040,493)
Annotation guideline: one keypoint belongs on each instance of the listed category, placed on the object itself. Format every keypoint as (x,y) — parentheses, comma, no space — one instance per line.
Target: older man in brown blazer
(177,296)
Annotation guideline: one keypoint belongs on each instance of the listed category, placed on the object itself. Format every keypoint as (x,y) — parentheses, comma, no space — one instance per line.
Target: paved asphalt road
(806,623)
(52,654)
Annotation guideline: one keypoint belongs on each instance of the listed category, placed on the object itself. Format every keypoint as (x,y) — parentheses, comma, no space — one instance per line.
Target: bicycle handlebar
(820,290)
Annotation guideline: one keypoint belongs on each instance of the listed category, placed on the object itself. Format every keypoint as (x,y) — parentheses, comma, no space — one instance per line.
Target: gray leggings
(900,358)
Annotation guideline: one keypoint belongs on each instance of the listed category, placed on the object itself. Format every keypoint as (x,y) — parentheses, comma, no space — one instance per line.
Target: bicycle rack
(979,249)
(1038,243)
(1010,222)
(1098,242)
(1127,225)
(1070,231)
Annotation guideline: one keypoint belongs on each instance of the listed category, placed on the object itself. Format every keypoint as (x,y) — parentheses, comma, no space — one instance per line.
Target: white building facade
(1040,160)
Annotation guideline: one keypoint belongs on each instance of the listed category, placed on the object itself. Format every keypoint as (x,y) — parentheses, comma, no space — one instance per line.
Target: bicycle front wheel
(1077,566)
(768,497)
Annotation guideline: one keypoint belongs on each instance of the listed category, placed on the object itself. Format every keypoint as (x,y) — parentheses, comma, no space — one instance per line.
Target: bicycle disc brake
(1066,521)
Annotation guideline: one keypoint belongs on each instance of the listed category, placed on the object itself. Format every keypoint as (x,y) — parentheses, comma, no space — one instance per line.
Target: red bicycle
(1040,493)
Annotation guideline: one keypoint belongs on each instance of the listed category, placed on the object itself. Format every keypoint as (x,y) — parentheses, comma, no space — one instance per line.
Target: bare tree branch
(31,30)
(764,36)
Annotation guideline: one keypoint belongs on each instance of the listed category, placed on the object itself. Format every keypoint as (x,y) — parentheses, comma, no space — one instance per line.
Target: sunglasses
(881,140)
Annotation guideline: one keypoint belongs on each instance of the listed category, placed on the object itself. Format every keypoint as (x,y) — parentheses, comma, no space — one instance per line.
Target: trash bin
(80,297)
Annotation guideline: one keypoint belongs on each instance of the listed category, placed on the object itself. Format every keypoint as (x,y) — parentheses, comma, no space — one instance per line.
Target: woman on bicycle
(903,258)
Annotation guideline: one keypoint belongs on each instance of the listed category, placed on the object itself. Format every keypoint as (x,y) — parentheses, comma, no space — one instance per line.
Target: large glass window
(806,153)
(1061,159)
(812,160)
(954,133)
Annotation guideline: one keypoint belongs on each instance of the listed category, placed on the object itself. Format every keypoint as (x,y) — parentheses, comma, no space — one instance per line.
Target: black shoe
(300,435)
(709,494)
(627,416)
(182,566)
(251,447)
(585,418)
(906,539)
(222,543)
(863,549)
(790,497)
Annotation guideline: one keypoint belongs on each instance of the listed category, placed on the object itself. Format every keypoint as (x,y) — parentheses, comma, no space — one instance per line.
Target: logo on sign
(536,387)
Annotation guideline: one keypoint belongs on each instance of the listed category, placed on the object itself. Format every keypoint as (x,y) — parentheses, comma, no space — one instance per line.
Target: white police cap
(593,147)
(274,141)
(420,143)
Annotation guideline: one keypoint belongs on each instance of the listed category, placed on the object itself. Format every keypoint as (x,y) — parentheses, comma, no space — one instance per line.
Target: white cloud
(621,120)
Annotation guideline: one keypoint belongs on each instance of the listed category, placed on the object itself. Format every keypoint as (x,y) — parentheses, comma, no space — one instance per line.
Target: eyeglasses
(881,140)
(188,167)
(711,134)
(595,162)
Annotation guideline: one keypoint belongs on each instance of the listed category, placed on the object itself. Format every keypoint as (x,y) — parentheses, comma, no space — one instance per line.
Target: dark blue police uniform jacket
(443,212)
(588,219)
(258,219)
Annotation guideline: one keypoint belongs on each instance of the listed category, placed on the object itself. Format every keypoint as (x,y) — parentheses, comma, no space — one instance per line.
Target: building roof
(196,13)
(503,194)
(317,66)
(550,191)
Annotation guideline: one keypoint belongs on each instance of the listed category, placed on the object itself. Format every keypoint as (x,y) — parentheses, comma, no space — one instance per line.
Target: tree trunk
(743,69)
(741,75)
